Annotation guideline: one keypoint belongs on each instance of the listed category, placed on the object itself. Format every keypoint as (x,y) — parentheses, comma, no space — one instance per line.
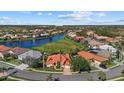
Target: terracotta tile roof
(63,58)
(19,51)
(4,48)
(94,42)
(78,37)
(109,39)
(91,56)
(3,74)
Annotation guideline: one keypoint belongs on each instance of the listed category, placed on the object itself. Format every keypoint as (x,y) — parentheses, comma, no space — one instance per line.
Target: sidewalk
(8,63)
(116,79)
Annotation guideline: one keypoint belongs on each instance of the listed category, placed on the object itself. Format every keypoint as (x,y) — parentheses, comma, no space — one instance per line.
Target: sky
(61,18)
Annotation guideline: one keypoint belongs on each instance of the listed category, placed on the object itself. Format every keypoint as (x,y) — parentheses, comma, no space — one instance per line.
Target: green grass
(110,64)
(66,45)
(41,69)
(15,62)
(93,68)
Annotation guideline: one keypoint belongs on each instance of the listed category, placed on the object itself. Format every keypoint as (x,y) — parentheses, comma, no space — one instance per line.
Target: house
(108,48)
(3,74)
(103,53)
(52,60)
(110,40)
(22,53)
(90,33)
(45,34)
(4,50)
(102,38)
(78,38)
(93,44)
(71,34)
(92,57)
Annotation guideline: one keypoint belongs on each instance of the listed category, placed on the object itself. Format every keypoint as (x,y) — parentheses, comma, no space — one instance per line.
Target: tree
(49,77)
(101,75)
(58,65)
(122,73)
(80,64)
(32,62)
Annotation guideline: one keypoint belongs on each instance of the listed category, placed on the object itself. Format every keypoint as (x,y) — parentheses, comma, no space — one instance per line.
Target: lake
(33,43)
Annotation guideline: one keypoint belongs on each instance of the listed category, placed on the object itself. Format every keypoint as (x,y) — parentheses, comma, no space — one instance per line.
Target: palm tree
(101,76)
(43,55)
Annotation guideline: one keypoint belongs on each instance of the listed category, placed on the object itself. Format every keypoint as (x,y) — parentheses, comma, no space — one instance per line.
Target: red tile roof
(78,37)
(94,42)
(19,51)
(3,74)
(91,56)
(4,48)
(109,39)
(64,59)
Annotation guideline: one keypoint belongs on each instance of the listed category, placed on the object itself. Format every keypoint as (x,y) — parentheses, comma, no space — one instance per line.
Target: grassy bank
(66,45)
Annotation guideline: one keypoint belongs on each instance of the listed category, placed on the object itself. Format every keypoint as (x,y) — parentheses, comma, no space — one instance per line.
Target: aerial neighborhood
(59,49)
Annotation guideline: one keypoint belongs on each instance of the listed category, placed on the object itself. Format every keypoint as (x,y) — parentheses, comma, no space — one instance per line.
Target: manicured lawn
(66,45)
(15,62)
(41,69)
(93,68)
(110,64)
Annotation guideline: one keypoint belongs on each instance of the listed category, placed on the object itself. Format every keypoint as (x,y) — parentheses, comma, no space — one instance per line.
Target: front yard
(15,62)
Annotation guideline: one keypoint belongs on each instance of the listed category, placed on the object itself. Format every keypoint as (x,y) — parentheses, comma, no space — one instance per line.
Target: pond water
(33,43)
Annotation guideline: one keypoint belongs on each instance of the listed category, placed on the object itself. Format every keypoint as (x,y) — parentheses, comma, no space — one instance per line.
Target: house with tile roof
(92,57)
(93,44)
(78,38)
(110,40)
(52,60)
(22,53)
(4,50)
(3,74)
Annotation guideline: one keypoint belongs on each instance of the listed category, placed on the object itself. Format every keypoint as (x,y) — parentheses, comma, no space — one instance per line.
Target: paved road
(43,76)
(83,77)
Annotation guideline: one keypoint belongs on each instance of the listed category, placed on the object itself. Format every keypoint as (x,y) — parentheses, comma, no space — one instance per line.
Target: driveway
(67,70)
(22,66)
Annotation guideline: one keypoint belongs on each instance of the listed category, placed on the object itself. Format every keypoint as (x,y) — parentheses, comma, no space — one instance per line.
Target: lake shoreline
(32,42)
(43,37)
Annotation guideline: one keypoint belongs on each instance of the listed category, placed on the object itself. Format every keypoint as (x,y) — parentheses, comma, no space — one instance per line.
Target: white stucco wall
(1,55)
(26,54)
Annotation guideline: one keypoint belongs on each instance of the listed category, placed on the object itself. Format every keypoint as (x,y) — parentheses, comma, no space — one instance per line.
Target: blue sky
(61,18)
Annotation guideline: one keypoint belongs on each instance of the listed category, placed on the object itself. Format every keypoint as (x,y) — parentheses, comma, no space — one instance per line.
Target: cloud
(4,18)
(8,21)
(101,14)
(39,13)
(49,14)
(76,16)
(121,20)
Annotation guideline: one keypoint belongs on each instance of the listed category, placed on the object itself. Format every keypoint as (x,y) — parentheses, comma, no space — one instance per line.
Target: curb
(8,63)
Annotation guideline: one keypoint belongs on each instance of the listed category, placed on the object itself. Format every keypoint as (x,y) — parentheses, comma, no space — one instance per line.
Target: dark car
(12,71)
(103,66)
(10,68)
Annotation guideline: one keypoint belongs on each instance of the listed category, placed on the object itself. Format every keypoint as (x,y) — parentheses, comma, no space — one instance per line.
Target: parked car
(103,66)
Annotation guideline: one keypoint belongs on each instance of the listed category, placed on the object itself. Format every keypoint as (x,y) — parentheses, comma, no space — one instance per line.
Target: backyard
(66,45)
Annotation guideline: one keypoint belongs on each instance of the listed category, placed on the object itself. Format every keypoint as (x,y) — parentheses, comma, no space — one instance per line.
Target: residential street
(82,77)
